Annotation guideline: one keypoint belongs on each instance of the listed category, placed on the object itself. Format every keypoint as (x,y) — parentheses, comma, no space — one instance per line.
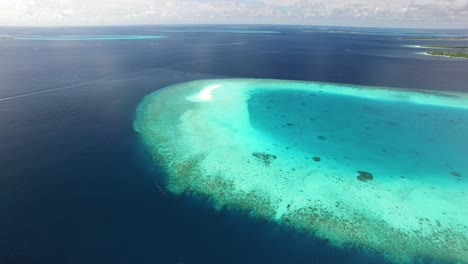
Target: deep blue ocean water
(76,185)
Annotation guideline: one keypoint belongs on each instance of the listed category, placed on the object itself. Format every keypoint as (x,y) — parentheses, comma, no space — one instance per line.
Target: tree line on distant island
(453,54)
(450,50)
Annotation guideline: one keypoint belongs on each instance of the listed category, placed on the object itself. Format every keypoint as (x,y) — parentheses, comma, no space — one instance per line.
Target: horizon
(355,13)
(237,25)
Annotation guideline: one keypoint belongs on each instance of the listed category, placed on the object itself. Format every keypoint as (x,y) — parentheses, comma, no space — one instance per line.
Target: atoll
(216,139)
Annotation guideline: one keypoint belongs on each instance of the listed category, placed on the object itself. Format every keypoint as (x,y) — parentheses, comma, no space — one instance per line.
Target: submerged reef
(264,157)
(365,176)
(216,138)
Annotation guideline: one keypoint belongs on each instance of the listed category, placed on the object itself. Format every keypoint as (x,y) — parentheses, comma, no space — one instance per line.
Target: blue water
(84,37)
(76,185)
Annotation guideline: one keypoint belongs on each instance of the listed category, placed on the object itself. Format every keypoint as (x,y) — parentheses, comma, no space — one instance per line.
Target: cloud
(280,2)
(351,12)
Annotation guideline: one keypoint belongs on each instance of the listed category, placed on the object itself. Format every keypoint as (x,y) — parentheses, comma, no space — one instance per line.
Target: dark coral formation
(317,159)
(264,157)
(358,229)
(365,176)
(456,174)
(391,123)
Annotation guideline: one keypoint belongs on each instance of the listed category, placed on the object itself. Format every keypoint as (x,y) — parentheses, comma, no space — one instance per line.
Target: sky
(370,13)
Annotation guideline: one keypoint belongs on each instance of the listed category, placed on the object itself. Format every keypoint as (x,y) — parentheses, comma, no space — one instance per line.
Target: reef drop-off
(366,167)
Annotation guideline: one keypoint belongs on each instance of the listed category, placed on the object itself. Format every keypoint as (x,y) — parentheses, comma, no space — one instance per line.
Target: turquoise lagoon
(232,31)
(375,168)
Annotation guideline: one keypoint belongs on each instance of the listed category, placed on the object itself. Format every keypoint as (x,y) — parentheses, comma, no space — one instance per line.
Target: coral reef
(365,176)
(264,157)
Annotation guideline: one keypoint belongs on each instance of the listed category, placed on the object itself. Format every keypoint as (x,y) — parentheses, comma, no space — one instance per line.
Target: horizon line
(230,24)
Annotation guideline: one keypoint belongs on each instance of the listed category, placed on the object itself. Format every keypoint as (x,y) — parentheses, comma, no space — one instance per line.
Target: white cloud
(351,12)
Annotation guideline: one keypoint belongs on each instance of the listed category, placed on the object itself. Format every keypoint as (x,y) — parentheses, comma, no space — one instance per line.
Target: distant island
(4,37)
(450,50)
(444,47)
(452,54)
(436,38)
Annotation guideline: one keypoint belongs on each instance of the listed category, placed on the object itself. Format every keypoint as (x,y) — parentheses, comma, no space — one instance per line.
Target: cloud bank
(396,13)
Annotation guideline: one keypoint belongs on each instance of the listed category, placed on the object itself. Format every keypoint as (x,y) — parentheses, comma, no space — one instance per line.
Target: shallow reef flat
(378,169)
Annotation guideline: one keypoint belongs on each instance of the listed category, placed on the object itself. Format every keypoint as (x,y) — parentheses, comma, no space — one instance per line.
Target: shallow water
(392,139)
(353,164)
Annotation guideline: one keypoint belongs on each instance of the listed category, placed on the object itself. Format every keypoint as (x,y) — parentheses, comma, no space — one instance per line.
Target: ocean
(78,186)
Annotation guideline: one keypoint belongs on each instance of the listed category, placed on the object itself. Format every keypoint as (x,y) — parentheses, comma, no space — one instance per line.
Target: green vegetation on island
(444,47)
(436,38)
(452,54)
